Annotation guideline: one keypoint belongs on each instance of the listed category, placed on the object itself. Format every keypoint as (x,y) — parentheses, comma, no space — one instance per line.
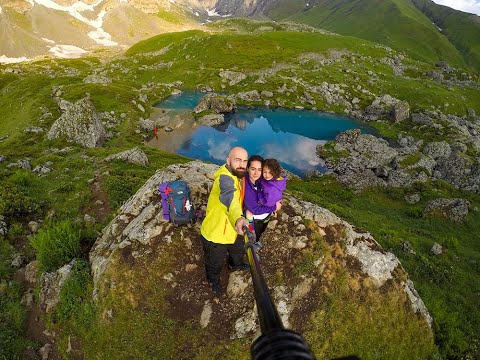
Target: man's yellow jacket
(224,207)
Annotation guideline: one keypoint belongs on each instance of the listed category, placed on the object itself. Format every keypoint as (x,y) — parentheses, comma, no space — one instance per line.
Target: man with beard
(222,227)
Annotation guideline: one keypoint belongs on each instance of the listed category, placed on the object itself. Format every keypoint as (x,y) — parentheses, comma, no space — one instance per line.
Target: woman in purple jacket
(254,210)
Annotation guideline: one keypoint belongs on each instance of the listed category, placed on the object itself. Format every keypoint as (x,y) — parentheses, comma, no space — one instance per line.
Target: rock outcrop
(132,156)
(79,123)
(138,242)
(51,284)
(367,161)
(452,209)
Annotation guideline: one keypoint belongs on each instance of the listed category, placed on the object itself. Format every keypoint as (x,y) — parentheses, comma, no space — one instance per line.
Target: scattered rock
(41,170)
(2,158)
(417,303)
(412,199)
(246,324)
(132,156)
(31,271)
(44,351)
(51,284)
(146,124)
(90,220)
(452,209)
(33,226)
(378,265)
(437,249)
(437,149)
(97,79)
(3,226)
(168,129)
(407,247)
(28,298)
(236,284)
(34,130)
(24,164)
(249,96)
(190,267)
(17,260)
(206,314)
(232,77)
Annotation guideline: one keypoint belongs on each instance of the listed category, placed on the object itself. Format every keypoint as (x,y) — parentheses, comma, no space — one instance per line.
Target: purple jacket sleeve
(272,191)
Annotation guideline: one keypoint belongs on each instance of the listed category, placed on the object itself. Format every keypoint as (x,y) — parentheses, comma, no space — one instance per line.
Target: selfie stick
(276,342)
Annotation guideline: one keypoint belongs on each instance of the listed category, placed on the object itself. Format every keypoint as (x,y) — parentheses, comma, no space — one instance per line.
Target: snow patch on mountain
(213,12)
(99,35)
(48,41)
(67,51)
(8,60)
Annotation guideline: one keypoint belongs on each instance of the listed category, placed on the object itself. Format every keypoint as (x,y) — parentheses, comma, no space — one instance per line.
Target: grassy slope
(197,58)
(462,29)
(380,21)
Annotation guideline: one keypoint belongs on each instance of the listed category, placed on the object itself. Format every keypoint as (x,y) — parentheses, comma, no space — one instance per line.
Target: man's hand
(241,222)
(278,205)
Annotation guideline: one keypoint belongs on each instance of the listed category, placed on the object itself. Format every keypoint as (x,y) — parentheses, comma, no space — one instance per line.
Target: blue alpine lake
(290,136)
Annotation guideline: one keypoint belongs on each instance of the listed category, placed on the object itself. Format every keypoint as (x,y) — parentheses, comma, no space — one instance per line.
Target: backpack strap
(164,191)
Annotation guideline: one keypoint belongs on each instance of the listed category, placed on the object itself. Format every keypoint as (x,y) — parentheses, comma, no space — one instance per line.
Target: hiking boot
(217,289)
(241,267)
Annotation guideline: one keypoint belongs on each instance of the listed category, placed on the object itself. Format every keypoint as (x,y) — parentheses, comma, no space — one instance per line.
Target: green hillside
(395,23)
(297,60)
(462,29)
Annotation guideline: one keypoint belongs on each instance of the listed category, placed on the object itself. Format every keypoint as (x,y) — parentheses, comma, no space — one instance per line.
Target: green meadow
(448,284)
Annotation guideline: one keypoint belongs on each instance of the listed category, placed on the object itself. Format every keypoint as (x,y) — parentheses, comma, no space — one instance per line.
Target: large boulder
(452,209)
(437,149)
(79,123)
(400,111)
(219,104)
(375,150)
(382,106)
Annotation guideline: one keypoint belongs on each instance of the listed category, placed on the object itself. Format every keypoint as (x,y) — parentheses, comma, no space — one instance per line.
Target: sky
(470,6)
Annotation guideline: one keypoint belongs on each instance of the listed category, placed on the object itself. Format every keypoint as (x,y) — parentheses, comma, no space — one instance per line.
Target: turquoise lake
(290,136)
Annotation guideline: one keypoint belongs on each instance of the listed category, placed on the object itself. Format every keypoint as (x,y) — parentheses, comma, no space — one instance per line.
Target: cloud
(219,150)
(301,154)
(470,6)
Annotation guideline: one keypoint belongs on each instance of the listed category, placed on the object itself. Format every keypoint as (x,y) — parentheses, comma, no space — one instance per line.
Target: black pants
(215,256)
(260,226)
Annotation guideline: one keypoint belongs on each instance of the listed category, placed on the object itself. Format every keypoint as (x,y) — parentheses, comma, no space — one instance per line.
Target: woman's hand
(278,205)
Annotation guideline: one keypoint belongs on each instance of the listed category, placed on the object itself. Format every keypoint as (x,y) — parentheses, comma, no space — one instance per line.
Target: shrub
(14,202)
(56,244)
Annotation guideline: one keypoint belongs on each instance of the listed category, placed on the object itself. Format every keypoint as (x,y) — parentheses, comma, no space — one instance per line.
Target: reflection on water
(290,136)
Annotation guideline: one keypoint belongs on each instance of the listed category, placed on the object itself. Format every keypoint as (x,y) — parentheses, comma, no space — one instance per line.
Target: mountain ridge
(102,24)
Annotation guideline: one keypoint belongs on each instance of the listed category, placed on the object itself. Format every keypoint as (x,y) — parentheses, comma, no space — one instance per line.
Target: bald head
(237,161)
